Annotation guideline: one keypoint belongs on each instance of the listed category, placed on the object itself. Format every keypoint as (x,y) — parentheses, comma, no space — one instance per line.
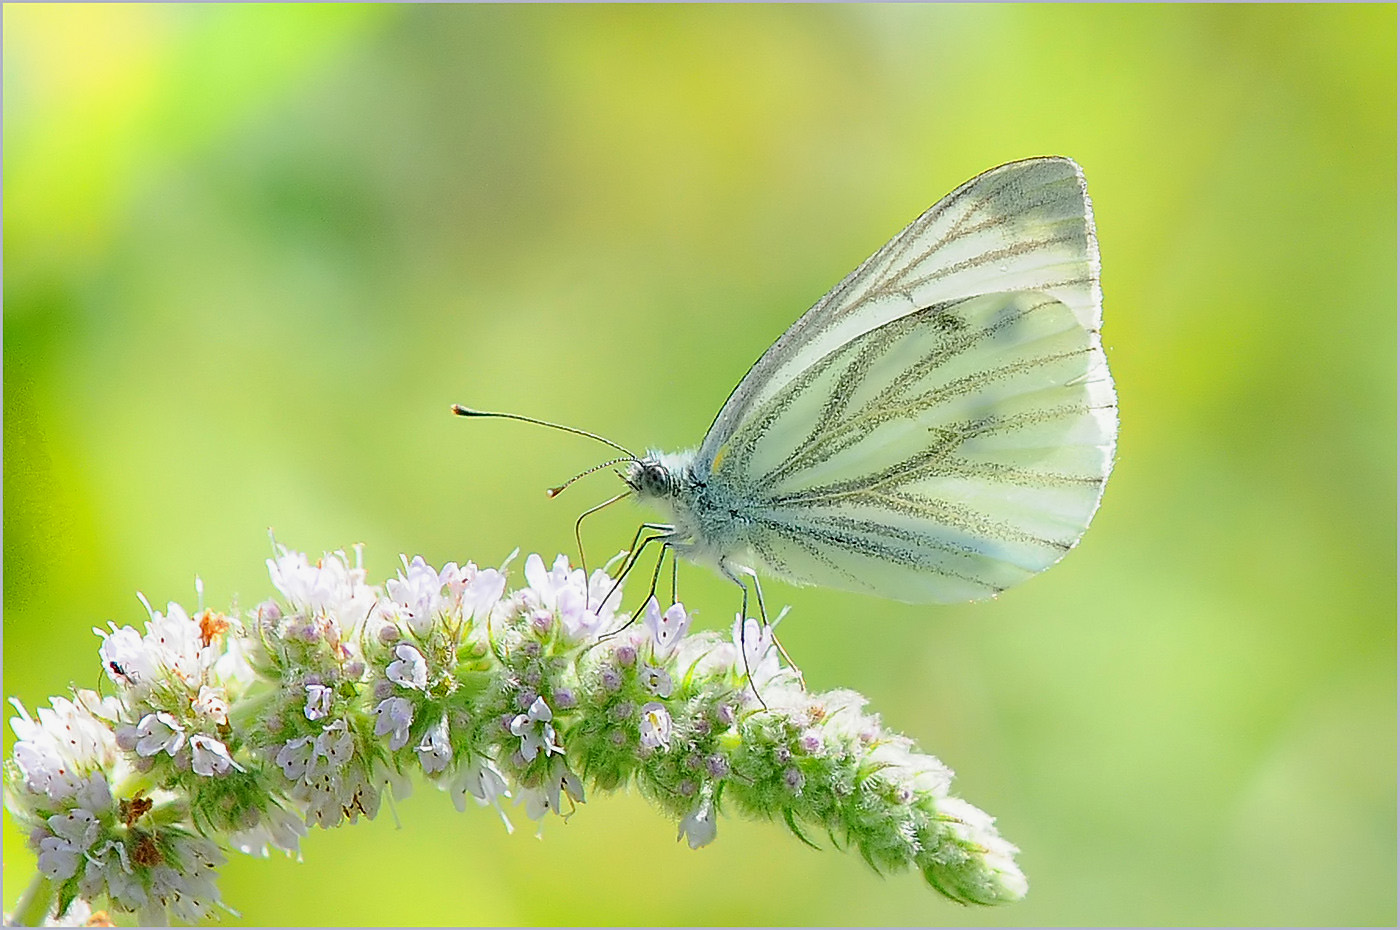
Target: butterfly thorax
(705,528)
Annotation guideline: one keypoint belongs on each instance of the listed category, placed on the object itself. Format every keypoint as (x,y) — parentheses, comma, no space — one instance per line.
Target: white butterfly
(938,428)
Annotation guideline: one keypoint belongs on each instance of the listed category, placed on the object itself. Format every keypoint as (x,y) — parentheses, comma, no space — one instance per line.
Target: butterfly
(938,428)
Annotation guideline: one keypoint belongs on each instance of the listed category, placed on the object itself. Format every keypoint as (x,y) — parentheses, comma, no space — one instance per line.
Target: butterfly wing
(939,426)
(1026,225)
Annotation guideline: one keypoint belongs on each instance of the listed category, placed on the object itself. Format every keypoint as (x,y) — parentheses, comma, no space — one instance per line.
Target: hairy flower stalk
(227,732)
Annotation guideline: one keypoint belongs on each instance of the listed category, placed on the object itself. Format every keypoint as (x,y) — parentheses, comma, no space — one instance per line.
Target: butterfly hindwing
(943,456)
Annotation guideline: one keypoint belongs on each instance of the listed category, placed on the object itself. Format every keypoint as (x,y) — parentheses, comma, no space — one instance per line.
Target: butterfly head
(659,476)
(649,478)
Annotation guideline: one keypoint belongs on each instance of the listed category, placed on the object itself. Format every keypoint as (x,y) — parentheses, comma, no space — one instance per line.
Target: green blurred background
(253,252)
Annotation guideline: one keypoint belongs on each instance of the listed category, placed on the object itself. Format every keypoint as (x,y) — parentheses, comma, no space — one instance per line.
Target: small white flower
(277,827)
(656,726)
(580,623)
(233,666)
(536,802)
(758,654)
(483,590)
(57,751)
(318,701)
(210,756)
(706,652)
(417,593)
(410,669)
(298,581)
(71,833)
(699,827)
(346,793)
(483,781)
(973,825)
(176,643)
(125,657)
(579,601)
(931,776)
(656,680)
(78,826)
(393,716)
(294,756)
(94,795)
(535,730)
(330,587)
(109,865)
(58,858)
(547,797)
(666,629)
(96,710)
(211,703)
(546,585)
(185,882)
(435,752)
(159,732)
(604,595)
(845,717)
(334,747)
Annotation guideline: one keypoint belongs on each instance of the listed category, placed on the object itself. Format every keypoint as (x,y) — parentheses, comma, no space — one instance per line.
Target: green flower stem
(35,904)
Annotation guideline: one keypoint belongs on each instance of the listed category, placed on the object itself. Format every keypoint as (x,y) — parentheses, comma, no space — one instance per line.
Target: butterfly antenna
(469,412)
(555,492)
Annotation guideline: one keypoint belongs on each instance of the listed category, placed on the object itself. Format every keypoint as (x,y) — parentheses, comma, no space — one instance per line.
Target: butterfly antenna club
(462,411)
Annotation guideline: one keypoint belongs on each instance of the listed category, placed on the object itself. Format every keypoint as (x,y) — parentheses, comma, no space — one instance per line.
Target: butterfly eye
(656,480)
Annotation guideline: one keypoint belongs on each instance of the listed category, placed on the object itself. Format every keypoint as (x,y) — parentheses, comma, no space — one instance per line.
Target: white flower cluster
(311,731)
(93,840)
(169,676)
(229,733)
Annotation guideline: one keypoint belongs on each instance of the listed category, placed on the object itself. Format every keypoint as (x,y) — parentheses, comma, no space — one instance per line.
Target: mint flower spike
(227,732)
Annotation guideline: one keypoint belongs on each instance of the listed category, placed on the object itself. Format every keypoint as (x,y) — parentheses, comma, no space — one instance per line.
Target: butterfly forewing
(1023,226)
(939,427)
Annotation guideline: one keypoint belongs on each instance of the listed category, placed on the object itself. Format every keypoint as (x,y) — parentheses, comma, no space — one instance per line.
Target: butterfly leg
(763,614)
(655,576)
(729,573)
(675,570)
(634,551)
(758,590)
(666,543)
